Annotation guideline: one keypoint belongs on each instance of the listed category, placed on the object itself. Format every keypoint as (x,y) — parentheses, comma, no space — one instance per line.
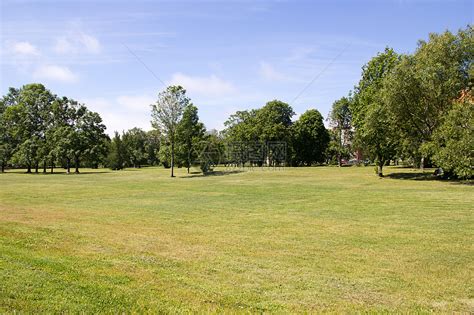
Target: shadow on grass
(427,177)
(57,173)
(211,174)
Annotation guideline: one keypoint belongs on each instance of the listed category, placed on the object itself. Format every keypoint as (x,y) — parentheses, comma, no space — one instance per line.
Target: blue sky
(229,55)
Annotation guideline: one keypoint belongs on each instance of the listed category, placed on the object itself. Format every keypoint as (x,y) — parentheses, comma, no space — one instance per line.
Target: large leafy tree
(240,129)
(273,123)
(7,141)
(310,138)
(370,116)
(274,120)
(166,114)
(29,118)
(420,90)
(89,136)
(340,119)
(190,132)
(241,126)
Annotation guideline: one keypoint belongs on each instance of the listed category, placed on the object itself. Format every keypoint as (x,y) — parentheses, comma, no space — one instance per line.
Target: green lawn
(298,240)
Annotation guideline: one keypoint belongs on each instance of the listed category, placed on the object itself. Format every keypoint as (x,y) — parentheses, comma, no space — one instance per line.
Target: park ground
(290,240)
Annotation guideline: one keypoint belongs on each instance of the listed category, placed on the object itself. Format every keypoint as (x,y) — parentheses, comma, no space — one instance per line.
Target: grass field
(298,240)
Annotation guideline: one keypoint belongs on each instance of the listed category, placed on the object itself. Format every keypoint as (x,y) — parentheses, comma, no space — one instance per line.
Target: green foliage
(340,119)
(374,130)
(166,114)
(420,90)
(134,141)
(152,147)
(453,145)
(310,139)
(117,153)
(190,131)
(38,126)
(242,126)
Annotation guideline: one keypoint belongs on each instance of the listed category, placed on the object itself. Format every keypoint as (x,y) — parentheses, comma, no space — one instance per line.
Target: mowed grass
(293,240)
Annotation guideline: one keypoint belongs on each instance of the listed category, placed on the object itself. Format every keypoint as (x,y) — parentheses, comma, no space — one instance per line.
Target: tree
(273,123)
(453,145)
(420,90)
(310,138)
(7,141)
(241,126)
(340,119)
(134,141)
(117,152)
(28,116)
(370,117)
(167,113)
(189,132)
(152,147)
(89,136)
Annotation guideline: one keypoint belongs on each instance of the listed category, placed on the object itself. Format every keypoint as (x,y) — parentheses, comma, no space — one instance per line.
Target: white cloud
(268,72)
(137,102)
(77,42)
(55,73)
(90,43)
(23,48)
(122,112)
(206,86)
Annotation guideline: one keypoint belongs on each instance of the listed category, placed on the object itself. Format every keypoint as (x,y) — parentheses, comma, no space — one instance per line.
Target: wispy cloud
(209,86)
(77,42)
(55,73)
(23,48)
(268,72)
(136,102)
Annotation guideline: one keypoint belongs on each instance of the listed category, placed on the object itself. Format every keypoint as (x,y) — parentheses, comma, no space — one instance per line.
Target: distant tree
(134,141)
(241,126)
(310,138)
(340,119)
(190,131)
(274,120)
(273,123)
(117,153)
(370,116)
(152,147)
(166,115)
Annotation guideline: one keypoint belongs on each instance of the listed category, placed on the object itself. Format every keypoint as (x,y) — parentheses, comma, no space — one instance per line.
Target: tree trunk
(172,159)
(422,163)
(380,168)
(3,167)
(77,165)
(68,165)
(44,166)
(28,170)
(52,167)
(339,158)
(36,167)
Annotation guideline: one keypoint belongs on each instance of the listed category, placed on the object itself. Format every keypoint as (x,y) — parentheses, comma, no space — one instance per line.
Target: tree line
(416,108)
(38,129)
